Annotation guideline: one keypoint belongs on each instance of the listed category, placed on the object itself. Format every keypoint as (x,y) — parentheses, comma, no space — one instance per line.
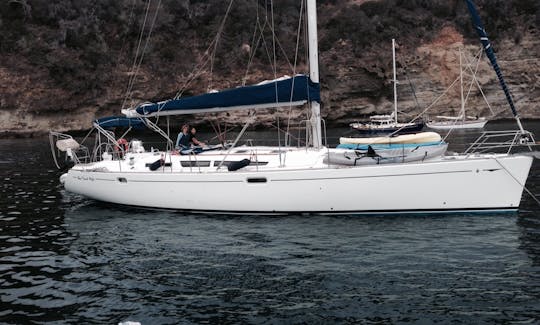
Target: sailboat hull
(447,125)
(448,184)
(374,129)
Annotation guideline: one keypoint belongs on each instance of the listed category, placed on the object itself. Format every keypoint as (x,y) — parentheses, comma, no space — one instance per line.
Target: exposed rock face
(433,67)
(64,64)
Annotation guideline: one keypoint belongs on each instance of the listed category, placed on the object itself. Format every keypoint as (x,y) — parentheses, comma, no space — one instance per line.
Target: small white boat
(462,121)
(421,137)
(453,123)
(362,155)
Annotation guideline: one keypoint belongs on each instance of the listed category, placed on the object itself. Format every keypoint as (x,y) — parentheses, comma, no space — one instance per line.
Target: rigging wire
(216,43)
(436,100)
(274,68)
(254,45)
(262,28)
(518,182)
(148,37)
(298,30)
(131,77)
(307,110)
(426,109)
(479,55)
(412,88)
(125,38)
(199,69)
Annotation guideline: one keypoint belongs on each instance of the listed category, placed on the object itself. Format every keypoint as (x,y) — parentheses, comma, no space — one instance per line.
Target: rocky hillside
(64,63)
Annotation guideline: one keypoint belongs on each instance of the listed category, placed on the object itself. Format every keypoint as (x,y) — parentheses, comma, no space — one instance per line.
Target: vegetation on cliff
(64,55)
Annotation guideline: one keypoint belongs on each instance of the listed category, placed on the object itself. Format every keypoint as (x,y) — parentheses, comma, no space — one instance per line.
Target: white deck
(302,183)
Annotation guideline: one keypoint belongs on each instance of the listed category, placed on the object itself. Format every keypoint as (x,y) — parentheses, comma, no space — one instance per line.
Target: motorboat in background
(388,124)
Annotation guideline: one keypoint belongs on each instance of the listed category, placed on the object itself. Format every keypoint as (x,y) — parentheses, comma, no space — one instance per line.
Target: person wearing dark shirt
(183,141)
(194,140)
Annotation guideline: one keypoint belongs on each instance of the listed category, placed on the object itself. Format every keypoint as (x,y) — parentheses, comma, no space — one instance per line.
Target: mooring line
(517,181)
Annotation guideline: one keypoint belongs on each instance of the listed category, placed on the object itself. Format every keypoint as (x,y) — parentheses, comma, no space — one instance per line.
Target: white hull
(457,125)
(454,183)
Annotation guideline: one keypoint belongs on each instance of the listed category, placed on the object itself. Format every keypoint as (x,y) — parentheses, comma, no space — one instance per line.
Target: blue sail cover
(277,93)
(477,22)
(120,121)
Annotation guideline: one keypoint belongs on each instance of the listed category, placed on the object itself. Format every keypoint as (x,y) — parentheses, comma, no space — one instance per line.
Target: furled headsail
(477,22)
(288,91)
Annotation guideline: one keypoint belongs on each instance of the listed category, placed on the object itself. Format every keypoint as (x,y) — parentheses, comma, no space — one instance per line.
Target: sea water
(68,259)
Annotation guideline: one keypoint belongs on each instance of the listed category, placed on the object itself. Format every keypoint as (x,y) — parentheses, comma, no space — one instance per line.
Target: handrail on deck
(506,139)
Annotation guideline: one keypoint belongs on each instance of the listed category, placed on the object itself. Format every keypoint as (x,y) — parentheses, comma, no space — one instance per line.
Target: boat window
(241,151)
(167,164)
(258,163)
(122,179)
(195,163)
(225,163)
(256,180)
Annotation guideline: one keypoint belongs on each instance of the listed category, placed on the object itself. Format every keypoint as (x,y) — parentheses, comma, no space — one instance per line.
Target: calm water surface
(67,259)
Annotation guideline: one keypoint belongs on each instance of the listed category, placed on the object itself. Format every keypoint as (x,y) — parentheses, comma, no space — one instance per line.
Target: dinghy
(421,137)
(361,155)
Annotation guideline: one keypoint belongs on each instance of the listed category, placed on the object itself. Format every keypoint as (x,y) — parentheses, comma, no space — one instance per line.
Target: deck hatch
(195,163)
(256,180)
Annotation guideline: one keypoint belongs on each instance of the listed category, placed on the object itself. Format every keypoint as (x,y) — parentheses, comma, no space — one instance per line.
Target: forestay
(288,91)
(480,30)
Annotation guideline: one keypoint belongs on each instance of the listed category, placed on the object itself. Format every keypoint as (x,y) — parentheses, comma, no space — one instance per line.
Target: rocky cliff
(64,63)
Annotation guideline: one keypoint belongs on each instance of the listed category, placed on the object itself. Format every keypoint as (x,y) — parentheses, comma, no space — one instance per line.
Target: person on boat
(183,141)
(193,140)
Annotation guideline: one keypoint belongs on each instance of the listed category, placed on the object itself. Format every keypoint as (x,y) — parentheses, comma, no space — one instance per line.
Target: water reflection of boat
(291,179)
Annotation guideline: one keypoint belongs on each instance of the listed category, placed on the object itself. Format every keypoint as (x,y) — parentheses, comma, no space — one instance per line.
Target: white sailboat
(462,121)
(457,122)
(275,180)
(388,124)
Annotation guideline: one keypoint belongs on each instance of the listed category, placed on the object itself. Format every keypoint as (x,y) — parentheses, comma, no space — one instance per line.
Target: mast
(395,78)
(314,71)
(461,84)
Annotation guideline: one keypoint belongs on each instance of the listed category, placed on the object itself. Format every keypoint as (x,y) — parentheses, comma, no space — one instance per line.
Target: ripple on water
(66,259)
